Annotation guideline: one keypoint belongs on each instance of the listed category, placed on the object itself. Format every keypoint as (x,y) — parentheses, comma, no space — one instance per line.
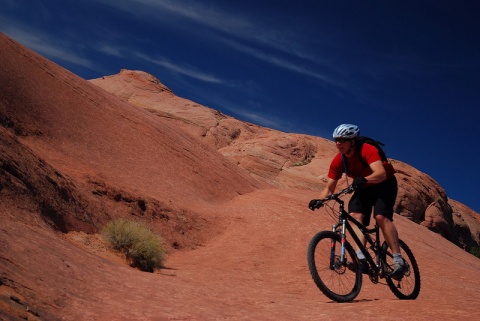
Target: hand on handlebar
(317,203)
(314,204)
(359,182)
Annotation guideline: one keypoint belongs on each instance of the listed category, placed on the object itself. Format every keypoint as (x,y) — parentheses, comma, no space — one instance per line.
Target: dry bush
(475,251)
(140,245)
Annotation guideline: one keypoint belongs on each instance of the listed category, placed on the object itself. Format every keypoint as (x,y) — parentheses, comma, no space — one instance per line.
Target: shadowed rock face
(228,198)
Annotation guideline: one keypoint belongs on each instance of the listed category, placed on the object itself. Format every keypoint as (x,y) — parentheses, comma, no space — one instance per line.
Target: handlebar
(344,191)
(317,203)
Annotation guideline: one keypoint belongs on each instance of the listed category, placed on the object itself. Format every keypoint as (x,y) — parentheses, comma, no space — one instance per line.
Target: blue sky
(407,72)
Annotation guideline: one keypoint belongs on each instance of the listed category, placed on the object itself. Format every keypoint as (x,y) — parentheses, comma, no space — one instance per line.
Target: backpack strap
(344,160)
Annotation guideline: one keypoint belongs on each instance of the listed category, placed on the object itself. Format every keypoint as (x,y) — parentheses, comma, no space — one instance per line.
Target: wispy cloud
(265,120)
(181,69)
(256,118)
(250,112)
(111,50)
(43,43)
(283,63)
(193,11)
(241,33)
(232,24)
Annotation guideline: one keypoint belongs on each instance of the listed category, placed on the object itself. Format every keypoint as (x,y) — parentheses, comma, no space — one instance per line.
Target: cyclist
(375,187)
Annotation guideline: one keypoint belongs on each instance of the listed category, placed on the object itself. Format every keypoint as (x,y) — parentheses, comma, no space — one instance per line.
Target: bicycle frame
(344,225)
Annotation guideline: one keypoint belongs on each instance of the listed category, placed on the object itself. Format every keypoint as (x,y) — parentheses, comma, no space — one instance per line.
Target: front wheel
(338,280)
(408,287)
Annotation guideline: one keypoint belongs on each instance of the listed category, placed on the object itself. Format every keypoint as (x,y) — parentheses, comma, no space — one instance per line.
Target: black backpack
(358,148)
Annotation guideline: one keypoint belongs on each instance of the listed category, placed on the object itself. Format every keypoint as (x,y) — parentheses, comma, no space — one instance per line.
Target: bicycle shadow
(356,301)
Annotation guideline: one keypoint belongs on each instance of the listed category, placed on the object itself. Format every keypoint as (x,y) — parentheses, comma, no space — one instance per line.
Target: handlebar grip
(315,204)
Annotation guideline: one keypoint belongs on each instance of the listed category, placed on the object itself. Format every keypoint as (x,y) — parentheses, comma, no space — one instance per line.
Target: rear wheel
(408,287)
(332,276)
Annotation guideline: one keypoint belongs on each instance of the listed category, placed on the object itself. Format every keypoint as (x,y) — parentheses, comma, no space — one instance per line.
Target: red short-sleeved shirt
(355,168)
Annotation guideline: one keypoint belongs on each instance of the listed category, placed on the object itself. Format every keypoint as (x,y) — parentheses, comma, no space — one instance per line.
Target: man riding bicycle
(375,187)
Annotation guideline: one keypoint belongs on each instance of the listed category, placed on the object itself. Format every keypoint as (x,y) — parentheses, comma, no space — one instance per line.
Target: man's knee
(382,219)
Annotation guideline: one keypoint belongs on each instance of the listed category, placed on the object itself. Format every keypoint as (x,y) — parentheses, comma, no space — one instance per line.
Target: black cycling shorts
(380,197)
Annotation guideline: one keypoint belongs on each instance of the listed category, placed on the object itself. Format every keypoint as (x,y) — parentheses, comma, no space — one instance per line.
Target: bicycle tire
(337,282)
(407,288)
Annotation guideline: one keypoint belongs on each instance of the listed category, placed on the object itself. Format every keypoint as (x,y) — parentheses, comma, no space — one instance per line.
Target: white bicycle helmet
(347,131)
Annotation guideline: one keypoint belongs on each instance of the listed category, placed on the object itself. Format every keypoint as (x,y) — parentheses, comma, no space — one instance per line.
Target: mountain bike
(334,265)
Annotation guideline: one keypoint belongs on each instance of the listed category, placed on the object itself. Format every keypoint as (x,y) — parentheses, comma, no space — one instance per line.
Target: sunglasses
(341,140)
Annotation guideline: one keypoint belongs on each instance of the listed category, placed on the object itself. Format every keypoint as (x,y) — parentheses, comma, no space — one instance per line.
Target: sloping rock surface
(291,160)
(229,198)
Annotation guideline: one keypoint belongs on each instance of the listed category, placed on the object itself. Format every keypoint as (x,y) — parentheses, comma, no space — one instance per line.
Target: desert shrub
(475,251)
(140,245)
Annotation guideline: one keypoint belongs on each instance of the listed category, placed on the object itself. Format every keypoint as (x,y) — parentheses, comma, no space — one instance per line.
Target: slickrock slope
(291,160)
(267,154)
(233,215)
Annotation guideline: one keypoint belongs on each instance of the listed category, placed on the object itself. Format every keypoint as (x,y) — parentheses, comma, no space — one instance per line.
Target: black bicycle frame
(344,222)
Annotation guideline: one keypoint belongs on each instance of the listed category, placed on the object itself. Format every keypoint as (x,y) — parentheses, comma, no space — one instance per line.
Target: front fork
(343,238)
